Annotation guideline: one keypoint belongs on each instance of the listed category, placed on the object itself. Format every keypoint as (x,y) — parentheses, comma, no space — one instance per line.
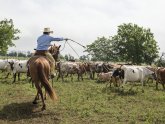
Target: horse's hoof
(43,108)
(34,102)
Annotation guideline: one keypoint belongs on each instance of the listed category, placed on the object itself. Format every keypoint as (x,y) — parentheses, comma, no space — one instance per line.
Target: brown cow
(67,68)
(160,77)
(103,77)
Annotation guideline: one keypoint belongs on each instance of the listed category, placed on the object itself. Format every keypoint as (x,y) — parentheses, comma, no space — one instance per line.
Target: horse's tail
(45,83)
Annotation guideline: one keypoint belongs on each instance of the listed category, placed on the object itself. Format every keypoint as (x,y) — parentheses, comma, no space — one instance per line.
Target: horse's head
(54,50)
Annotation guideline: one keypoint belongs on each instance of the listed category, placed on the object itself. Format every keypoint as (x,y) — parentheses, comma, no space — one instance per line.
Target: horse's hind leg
(45,95)
(36,98)
(37,95)
(42,98)
(39,91)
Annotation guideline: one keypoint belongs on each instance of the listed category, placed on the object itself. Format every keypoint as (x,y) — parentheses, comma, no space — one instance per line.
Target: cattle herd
(13,66)
(118,74)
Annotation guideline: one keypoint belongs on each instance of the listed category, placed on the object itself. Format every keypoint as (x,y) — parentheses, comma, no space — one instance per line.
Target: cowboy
(43,43)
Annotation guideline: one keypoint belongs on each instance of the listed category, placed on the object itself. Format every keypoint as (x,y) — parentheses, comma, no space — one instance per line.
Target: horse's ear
(54,44)
(59,46)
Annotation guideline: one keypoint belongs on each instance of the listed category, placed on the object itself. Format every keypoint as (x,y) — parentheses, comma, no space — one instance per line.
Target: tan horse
(39,69)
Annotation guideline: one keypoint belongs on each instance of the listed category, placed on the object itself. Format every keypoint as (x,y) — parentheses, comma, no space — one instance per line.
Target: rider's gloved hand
(66,39)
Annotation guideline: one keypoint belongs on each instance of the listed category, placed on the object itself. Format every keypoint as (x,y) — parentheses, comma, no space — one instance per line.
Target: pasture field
(84,102)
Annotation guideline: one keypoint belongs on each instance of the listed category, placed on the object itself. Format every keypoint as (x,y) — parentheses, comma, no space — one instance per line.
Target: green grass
(82,102)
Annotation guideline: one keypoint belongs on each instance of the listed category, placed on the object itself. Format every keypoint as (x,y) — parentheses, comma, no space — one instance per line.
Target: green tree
(29,54)
(21,54)
(7,35)
(161,61)
(12,53)
(135,44)
(101,49)
(83,57)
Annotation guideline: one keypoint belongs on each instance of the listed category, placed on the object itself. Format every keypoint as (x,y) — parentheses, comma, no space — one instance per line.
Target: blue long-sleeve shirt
(44,41)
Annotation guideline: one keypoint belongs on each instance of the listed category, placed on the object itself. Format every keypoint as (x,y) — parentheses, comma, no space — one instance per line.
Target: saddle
(40,53)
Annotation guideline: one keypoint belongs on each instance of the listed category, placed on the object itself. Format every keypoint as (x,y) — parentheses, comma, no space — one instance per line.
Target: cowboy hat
(47,30)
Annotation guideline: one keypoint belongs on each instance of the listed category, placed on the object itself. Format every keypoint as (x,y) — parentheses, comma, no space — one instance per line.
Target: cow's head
(154,76)
(11,65)
(151,71)
(118,73)
(99,68)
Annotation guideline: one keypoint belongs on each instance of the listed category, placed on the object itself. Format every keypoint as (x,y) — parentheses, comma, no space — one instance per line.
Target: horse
(39,70)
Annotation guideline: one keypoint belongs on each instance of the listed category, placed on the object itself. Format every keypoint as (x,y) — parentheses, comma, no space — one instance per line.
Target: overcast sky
(81,20)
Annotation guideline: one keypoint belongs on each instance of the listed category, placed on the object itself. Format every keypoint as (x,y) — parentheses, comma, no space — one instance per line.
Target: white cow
(19,66)
(135,73)
(6,65)
(3,64)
